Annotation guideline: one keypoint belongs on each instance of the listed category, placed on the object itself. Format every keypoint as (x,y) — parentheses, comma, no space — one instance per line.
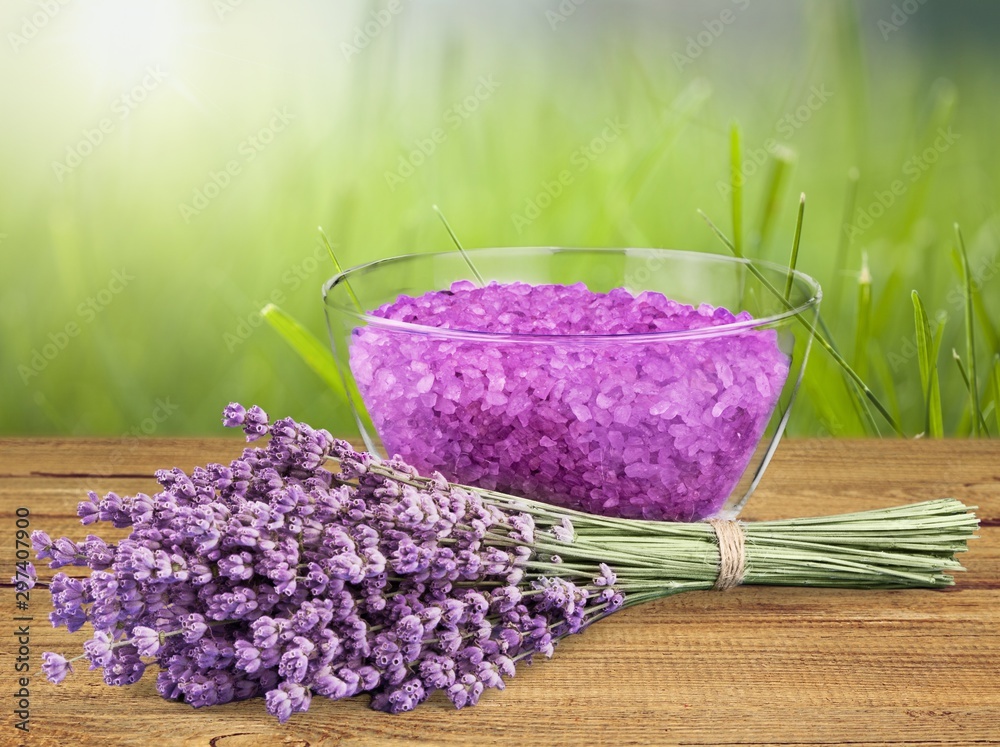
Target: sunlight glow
(118,37)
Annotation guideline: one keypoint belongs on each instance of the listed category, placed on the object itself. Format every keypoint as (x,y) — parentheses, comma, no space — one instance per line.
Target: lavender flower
(146,640)
(55,667)
(276,578)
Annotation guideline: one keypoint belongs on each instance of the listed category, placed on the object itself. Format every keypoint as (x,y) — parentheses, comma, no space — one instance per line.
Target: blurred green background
(164,166)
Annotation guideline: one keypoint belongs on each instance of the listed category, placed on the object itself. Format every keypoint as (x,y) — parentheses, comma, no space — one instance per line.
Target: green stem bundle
(901,547)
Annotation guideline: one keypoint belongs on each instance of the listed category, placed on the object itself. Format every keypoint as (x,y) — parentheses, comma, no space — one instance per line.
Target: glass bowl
(665,425)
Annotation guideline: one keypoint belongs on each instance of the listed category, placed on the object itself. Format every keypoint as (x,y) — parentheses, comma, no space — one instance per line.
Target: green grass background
(884,82)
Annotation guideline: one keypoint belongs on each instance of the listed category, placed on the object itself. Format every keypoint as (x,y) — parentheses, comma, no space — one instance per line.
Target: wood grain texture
(746,667)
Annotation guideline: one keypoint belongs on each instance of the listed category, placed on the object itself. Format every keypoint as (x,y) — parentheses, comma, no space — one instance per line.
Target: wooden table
(748,666)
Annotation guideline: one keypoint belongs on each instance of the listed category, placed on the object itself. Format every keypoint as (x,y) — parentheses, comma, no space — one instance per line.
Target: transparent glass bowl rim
(709,332)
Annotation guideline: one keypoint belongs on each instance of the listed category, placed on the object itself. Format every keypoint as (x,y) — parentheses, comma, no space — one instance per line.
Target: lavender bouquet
(277,577)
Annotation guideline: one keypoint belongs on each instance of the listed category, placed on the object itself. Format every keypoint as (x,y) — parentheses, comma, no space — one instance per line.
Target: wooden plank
(748,666)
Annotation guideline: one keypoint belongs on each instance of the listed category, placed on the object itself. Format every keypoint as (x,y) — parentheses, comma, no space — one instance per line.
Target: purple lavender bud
(199,574)
(111,508)
(235,566)
(544,645)
(55,667)
(438,671)
(265,631)
(466,691)
(288,698)
(234,415)
(65,552)
(99,554)
(248,658)
(369,678)
(245,689)
(255,423)
(126,668)
(504,599)
(194,627)
(98,649)
(409,629)
(89,510)
(489,675)
(41,543)
(305,619)
(449,641)
(141,510)
(564,531)
(505,665)
(146,640)
(524,527)
(67,592)
(326,683)
(25,581)
(352,679)
(167,686)
(293,664)
(453,611)
(476,607)
(607,577)
(214,653)
(430,618)
(406,697)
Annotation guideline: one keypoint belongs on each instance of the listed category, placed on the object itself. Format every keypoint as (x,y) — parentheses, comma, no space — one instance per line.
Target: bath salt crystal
(672,424)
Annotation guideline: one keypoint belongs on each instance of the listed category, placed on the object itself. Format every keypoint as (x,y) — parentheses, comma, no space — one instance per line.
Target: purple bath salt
(522,397)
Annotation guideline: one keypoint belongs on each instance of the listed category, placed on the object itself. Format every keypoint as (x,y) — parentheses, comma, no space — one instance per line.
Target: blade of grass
(783,159)
(886,380)
(315,354)
(990,334)
(864,321)
(336,264)
(978,421)
(844,241)
(736,185)
(861,408)
(794,259)
(970,339)
(677,116)
(465,255)
(943,99)
(927,351)
(823,342)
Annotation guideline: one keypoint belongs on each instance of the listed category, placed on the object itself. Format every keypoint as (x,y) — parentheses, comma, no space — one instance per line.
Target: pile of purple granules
(528,401)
